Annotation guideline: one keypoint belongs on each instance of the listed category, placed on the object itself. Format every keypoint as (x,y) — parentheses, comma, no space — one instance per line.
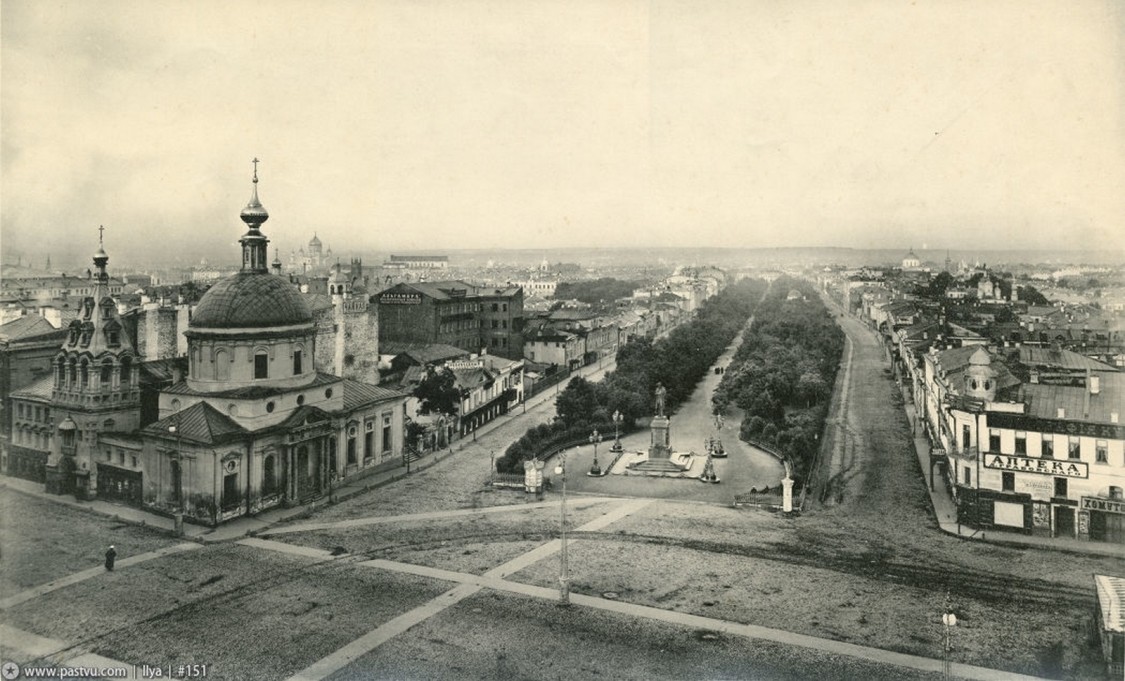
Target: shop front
(1102,519)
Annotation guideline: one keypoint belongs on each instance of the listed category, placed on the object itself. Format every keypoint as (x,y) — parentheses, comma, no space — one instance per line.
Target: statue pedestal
(660,451)
(787,495)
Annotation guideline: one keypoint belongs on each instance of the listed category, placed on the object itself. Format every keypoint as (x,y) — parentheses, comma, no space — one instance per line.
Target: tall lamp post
(178,514)
(617,420)
(949,619)
(564,568)
(595,438)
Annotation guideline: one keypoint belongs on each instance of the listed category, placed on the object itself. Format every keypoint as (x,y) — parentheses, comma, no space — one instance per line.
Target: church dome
(251,300)
(314,241)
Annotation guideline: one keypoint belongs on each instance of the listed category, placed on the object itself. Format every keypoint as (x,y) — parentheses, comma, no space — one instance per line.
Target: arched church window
(106,376)
(126,370)
(73,365)
(298,356)
(84,375)
(222,365)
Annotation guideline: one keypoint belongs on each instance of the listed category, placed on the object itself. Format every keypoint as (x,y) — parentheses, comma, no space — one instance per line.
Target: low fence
(767,501)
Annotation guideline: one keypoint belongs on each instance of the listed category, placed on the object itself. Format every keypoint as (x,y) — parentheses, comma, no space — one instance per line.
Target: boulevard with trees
(678,362)
(782,375)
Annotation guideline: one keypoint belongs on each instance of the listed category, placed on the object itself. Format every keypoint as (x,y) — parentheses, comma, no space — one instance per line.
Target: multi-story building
(453,313)
(1037,446)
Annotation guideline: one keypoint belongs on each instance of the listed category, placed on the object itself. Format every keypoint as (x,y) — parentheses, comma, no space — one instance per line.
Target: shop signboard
(1026,464)
(1104,505)
(400,298)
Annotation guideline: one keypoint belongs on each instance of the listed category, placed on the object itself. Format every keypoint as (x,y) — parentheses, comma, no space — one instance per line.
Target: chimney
(1061,413)
(177,373)
(1113,417)
(1095,383)
(1034,376)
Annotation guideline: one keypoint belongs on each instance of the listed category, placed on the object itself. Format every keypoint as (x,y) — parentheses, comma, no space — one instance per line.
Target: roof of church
(251,300)
(198,423)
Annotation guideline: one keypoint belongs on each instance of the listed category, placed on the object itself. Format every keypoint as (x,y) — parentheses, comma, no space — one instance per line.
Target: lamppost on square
(564,568)
(178,459)
(617,420)
(595,438)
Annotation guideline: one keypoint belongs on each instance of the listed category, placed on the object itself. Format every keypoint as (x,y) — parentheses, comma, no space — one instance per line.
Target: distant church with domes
(253,424)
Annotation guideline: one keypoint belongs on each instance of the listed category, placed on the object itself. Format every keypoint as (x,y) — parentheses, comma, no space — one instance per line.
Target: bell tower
(95,388)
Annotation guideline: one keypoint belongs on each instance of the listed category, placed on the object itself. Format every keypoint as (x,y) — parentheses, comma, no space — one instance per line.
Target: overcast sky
(429,125)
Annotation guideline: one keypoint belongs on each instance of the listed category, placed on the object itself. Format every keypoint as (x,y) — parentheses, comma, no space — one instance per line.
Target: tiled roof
(357,394)
(198,423)
(1044,400)
(31,325)
(251,300)
(40,389)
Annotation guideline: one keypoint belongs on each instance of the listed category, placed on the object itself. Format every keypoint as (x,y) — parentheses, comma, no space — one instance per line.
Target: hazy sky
(427,124)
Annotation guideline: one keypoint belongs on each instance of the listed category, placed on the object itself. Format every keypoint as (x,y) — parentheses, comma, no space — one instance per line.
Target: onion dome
(314,241)
(254,214)
(251,300)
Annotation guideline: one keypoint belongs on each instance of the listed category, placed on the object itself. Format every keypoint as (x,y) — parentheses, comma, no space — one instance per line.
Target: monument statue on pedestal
(660,449)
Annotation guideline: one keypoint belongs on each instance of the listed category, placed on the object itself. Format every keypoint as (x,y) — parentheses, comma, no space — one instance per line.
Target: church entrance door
(308,473)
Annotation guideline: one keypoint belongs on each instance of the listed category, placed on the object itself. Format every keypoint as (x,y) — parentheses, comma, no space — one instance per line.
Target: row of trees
(783,373)
(677,361)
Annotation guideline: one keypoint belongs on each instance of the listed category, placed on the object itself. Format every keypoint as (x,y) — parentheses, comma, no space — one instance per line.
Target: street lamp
(491,465)
(564,569)
(595,438)
(949,619)
(178,514)
(617,419)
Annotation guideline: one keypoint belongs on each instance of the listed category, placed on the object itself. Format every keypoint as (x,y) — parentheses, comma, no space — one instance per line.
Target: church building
(252,425)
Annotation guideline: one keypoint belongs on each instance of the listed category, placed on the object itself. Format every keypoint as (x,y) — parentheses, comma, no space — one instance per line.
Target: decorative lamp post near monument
(949,619)
(617,420)
(564,568)
(595,438)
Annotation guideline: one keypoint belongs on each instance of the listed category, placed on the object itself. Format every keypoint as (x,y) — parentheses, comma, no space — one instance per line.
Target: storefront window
(1008,481)
(993,440)
(1048,447)
(1021,443)
(1073,448)
(1102,451)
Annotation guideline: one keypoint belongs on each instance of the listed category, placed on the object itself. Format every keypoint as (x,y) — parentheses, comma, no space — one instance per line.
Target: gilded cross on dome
(255,169)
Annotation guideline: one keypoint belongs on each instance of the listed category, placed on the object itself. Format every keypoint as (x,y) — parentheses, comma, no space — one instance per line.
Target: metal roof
(1061,359)
(1044,400)
(198,423)
(357,394)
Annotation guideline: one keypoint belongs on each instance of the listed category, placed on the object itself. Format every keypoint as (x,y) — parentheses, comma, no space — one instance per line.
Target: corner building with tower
(252,425)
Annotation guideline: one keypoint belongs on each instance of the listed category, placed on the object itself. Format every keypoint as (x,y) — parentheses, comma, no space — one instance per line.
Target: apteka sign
(1026,464)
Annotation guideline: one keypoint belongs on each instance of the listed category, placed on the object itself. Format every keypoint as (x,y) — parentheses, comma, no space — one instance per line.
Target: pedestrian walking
(110,556)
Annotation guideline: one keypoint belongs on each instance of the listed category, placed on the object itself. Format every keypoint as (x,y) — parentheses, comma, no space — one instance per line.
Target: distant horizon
(529,254)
